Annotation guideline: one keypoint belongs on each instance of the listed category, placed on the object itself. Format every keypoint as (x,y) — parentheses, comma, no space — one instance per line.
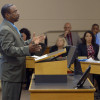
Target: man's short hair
(5,9)
(95,25)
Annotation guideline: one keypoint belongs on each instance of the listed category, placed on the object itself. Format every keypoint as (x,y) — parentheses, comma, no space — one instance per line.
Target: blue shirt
(14,27)
(98,38)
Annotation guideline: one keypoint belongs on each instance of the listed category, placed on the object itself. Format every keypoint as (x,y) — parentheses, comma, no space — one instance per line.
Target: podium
(50,81)
(61,91)
(51,71)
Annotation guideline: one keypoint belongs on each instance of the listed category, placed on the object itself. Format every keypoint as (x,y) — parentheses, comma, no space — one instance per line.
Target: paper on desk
(39,57)
(92,60)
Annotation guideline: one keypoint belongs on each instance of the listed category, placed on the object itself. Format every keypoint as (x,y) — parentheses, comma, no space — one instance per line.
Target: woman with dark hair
(25,34)
(88,48)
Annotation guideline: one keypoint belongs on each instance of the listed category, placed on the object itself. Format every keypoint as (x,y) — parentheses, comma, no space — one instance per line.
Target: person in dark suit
(14,51)
(88,48)
(72,38)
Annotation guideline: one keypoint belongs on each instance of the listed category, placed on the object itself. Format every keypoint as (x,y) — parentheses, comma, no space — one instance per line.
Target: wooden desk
(30,62)
(95,67)
(61,91)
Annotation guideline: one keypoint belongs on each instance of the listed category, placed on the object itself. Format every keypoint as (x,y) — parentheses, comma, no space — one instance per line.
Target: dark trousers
(97,78)
(11,90)
(29,73)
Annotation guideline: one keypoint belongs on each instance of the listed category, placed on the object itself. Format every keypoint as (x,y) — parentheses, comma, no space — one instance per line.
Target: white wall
(45,15)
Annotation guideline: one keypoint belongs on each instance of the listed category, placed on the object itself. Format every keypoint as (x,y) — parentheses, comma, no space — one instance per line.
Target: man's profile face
(13,14)
(67,27)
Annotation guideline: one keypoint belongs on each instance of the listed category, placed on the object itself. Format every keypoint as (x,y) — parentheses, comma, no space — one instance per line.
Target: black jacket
(82,50)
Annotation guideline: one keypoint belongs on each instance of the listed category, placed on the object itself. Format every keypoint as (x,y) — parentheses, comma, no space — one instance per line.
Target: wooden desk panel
(95,67)
(61,96)
(30,62)
(51,68)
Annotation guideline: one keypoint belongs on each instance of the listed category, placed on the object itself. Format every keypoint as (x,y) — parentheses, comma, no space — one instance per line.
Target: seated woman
(60,44)
(88,48)
(26,35)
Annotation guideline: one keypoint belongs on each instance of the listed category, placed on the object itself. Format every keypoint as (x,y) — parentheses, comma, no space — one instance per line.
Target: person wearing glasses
(95,30)
(72,38)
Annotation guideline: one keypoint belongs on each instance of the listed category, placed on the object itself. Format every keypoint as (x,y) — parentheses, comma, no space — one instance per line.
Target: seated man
(95,30)
(72,38)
